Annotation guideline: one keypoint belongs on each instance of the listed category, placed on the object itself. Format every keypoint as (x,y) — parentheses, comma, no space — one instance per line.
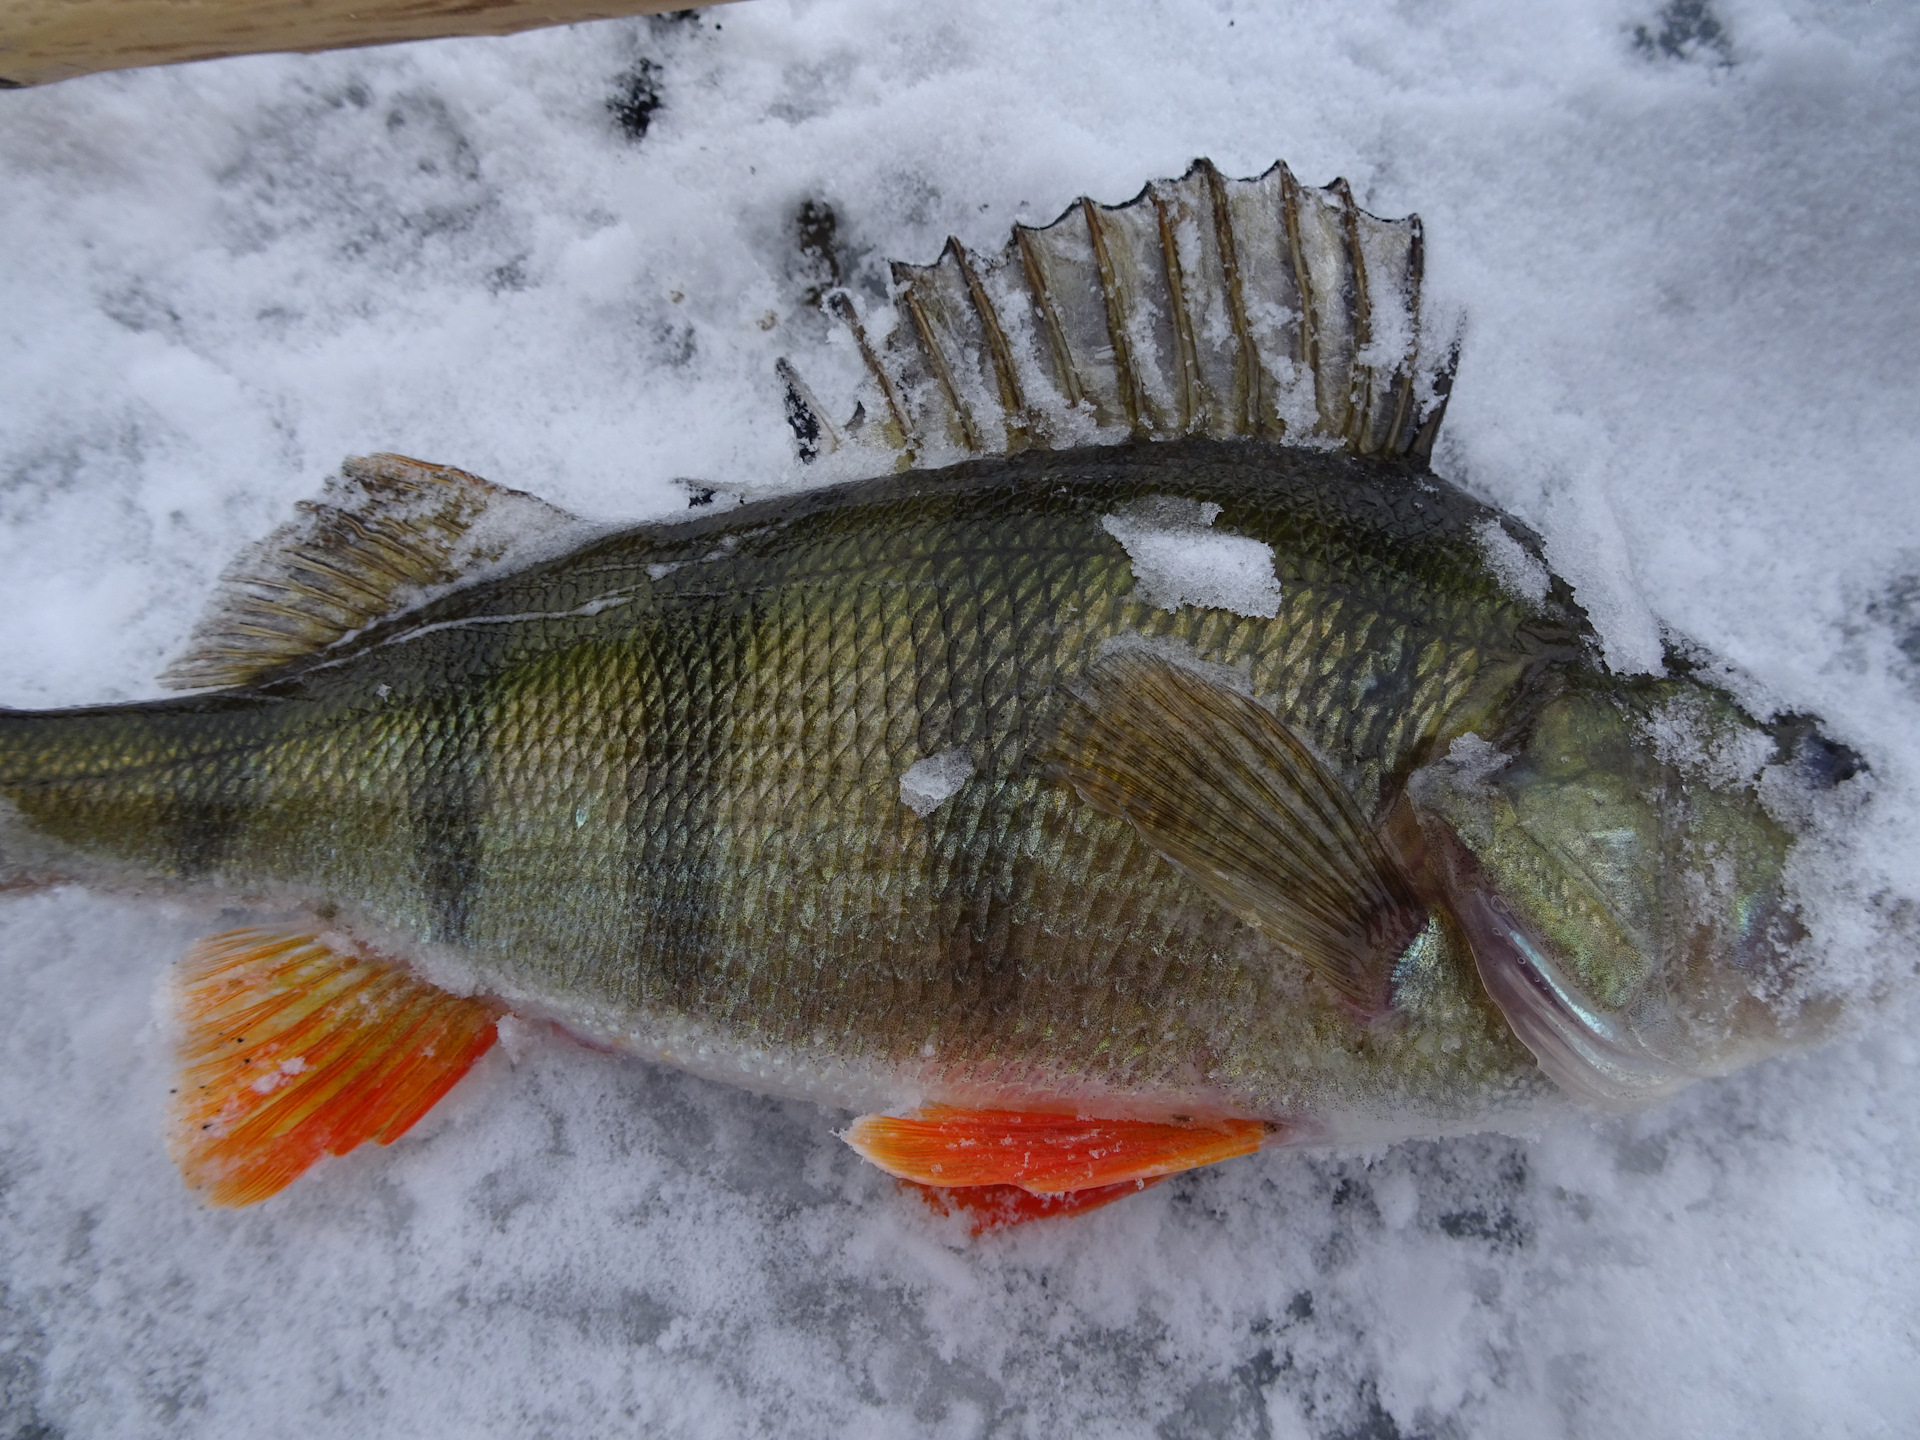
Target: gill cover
(1619,883)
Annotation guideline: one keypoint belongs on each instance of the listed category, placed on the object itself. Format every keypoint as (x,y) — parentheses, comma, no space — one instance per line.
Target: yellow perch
(1158,760)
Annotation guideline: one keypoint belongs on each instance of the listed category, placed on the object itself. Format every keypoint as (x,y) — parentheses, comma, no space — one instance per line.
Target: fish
(1132,755)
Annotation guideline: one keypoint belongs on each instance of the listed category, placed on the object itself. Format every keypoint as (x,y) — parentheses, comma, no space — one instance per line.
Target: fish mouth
(1593,1052)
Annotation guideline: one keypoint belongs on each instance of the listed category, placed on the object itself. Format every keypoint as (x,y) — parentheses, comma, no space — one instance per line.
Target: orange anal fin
(995,1207)
(1040,1153)
(292,1049)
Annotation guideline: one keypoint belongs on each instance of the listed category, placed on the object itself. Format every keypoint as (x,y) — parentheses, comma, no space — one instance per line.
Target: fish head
(1620,877)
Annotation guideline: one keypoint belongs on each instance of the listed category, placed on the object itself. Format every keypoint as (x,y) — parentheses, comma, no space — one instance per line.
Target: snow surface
(1683,244)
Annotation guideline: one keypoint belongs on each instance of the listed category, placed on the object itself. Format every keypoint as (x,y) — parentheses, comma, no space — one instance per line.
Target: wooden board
(43,40)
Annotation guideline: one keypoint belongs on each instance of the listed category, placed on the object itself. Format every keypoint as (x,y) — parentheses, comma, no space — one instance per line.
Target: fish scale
(982,852)
(774,746)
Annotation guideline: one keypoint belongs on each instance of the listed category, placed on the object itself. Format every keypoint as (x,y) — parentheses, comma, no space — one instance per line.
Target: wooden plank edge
(47,40)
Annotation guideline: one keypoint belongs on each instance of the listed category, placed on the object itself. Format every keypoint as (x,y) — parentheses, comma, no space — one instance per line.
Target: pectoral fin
(1225,791)
(294,1048)
(1043,1154)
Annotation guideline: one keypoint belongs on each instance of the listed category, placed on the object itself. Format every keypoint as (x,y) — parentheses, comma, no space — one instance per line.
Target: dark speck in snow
(635,98)
(1687,30)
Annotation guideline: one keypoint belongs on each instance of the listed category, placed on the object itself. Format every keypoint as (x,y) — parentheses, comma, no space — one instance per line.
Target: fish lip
(1590,1052)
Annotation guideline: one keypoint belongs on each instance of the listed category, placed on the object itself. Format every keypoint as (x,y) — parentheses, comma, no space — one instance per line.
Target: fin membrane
(1042,1154)
(294,1049)
(1229,794)
(385,529)
(996,1207)
(1256,309)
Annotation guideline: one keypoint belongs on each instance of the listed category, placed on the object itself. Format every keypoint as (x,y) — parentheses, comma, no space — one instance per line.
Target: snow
(930,783)
(1178,560)
(1679,243)
(1512,564)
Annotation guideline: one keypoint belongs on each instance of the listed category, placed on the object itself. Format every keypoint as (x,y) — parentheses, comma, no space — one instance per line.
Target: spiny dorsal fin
(1225,791)
(385,529)
(1254,309)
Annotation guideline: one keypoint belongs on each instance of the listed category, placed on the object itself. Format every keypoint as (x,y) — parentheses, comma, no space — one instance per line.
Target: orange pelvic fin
(294,1049)
(995,1207)
(1043,1154)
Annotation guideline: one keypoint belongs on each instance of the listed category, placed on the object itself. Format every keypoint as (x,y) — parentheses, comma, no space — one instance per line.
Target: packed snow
(1679,239)
(1178,559)
(928,784)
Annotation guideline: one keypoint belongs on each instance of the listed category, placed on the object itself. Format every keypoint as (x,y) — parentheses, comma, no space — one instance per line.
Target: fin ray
(1204,306)
(385,529)
(1042,1154)
(295,1048)
(999,1207)
(1225,791)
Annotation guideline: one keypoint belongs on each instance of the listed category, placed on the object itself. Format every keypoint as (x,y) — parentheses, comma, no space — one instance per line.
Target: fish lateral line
(585,611)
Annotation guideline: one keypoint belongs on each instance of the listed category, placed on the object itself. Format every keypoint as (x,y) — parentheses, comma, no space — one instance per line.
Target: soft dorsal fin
(1222,788)
(294,1048)
(384,530)
(1255,309)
